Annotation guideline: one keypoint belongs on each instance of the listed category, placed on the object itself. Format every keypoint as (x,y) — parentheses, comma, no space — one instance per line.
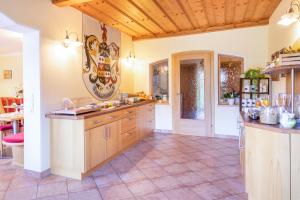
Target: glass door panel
(192,105)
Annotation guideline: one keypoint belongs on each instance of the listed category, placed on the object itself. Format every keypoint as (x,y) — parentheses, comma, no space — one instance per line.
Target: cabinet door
(295,167)
(95,147)
(141,121)
(113,132)
(267,164)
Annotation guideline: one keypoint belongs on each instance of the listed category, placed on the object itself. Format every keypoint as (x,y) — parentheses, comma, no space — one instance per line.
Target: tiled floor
(162,167)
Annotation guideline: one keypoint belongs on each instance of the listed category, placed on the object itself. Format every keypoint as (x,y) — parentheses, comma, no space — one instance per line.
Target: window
(230,69)
(159,81)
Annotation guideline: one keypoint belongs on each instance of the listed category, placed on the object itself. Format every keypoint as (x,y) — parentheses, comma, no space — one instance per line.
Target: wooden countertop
(96,113)
(275,128)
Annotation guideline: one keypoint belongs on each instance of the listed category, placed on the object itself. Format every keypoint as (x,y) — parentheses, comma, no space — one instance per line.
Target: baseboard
(162,131)
(35,174)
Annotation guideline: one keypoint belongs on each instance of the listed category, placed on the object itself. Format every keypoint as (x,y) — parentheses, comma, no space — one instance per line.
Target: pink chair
(4,130)
(16,142)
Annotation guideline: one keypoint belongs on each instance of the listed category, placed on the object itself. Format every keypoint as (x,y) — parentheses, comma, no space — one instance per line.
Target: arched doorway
(32,91)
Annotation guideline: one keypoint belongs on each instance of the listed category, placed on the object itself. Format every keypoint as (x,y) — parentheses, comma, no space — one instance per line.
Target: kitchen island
(272,161)
(81,144)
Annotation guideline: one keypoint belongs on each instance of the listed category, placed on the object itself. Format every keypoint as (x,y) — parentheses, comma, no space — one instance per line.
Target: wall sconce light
(68,42)
(291,15)
(131,58)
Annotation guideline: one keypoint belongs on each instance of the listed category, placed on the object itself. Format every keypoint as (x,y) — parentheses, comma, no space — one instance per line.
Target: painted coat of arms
(101,71)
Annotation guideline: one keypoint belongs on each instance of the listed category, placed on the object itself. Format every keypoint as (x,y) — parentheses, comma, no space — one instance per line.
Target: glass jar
(269,115)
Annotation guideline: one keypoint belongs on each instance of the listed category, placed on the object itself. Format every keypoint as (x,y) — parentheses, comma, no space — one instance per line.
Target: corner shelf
(280,69)
(284,69)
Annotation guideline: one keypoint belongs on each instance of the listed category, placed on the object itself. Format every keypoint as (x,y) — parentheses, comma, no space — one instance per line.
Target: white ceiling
(10,42)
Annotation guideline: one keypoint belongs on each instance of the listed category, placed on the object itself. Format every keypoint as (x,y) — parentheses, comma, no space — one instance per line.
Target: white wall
(58,72)
(11,62)
(250,43)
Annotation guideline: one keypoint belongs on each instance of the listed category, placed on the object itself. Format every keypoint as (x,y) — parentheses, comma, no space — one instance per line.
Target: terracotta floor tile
(85,184)
(23,181)
(211,174)
(4,184)
(140,188)
(52,189)
(242,196)
(232,185)
(132,175)
(194,165)
(115,192)
(166,183)
(190,179)
(182,193)
(176,169)
(107,180)
(85,195)
(51,179)
(164,160)
(154,172)
(58,197)
(162,166)
(157,196)
(145,163)
(24,193)
(231,171)
(208,191)
(104,170)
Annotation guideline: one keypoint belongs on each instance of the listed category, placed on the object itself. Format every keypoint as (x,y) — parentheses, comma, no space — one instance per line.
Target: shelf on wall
(281,69)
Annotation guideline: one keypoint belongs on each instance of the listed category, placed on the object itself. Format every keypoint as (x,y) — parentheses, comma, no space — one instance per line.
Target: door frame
(212,92)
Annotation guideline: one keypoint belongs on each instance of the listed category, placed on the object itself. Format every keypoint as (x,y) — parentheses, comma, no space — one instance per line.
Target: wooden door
(192,96)
(267,164)
(95,147)
(113,132)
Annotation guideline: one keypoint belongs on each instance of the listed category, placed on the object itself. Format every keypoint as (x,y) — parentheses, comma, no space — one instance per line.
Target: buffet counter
(272,162)
(82,143)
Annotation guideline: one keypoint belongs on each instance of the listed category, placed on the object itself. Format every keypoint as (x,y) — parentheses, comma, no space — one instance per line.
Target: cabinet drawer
(101,120)
(128,123)
(128,138)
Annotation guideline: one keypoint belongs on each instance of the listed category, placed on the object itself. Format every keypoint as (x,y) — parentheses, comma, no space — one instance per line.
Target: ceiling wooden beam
(210,19)
(166,14)
(123,13)
(209,29)
(187,13)
(62,3)
(100,16)
(229,11)
(148,16)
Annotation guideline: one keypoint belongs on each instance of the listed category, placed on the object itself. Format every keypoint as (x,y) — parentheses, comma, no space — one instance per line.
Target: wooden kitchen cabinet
(267,164)
(113,132)
(95,147)
(145,120)
(81,144)
(295,166)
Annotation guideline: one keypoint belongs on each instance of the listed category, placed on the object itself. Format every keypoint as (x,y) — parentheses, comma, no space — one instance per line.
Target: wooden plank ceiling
(162,18)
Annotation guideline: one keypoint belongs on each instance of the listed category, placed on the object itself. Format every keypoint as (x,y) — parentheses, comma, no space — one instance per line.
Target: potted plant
(229,96)
(236,96)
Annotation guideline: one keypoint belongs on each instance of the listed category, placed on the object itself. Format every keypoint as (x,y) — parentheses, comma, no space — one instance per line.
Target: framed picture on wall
(7,74)
(230,68)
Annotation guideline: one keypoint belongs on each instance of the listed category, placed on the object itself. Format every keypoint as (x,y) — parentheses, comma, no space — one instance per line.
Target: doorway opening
(193,93)
(31,92)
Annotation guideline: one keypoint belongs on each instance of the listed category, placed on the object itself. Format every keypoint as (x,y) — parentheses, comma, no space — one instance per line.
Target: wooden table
(13,118)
